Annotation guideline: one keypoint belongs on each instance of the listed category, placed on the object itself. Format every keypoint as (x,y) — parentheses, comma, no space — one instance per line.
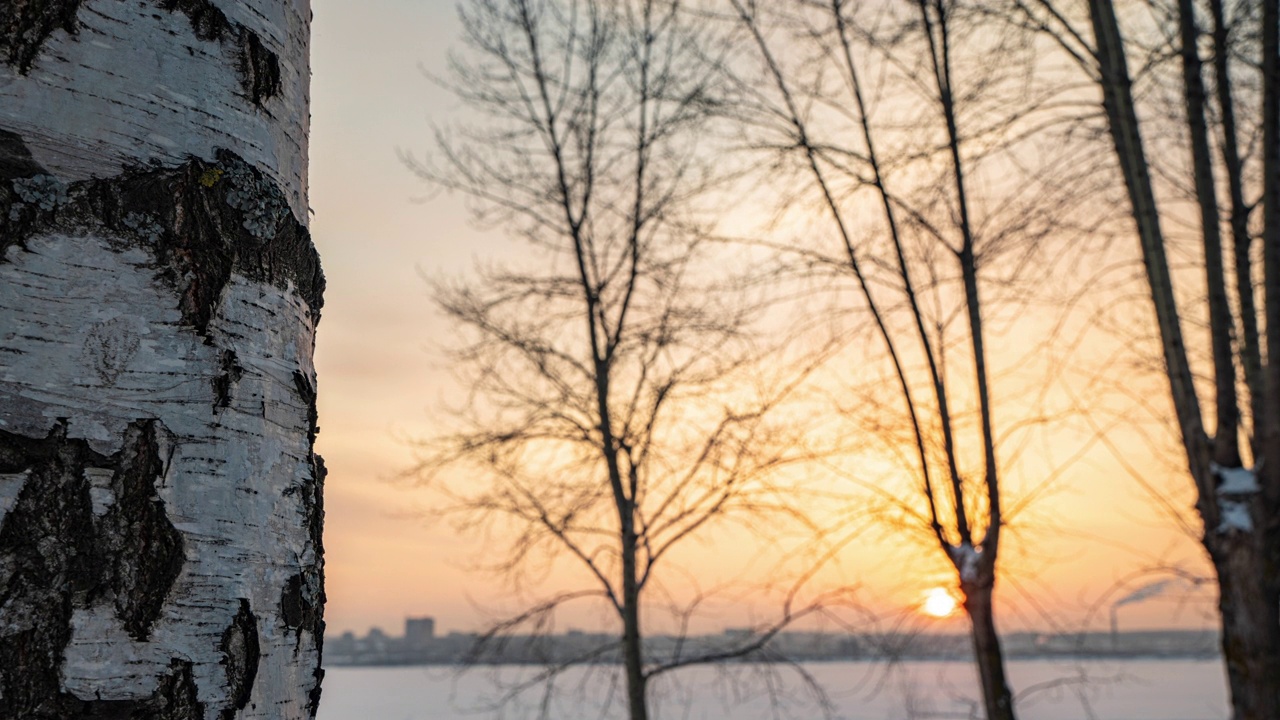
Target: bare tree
(618,406)
(1239,506)
(956,112)
(160,501)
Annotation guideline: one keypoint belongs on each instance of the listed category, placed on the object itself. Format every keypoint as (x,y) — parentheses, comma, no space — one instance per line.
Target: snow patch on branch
(1235,487)
(966,558)
(1236,481)
(1235,516)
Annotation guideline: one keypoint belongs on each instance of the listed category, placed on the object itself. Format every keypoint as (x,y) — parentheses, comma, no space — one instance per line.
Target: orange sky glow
(1075,549)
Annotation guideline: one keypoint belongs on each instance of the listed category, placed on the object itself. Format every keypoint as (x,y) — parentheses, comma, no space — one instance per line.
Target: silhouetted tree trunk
(965,517)
(610,418)
(1238,506)
(160,500)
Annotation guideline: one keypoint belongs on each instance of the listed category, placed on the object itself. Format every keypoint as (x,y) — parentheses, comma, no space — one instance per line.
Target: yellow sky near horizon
(381,381)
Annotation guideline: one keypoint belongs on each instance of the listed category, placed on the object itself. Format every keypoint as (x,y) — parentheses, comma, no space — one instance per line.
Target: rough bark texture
(159,292)
(29,23)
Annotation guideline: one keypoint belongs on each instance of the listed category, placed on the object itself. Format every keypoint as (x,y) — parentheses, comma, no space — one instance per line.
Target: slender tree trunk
(978,603)
(160,502)
(977,570)
(1241,240)
(633,655)
(1226,443)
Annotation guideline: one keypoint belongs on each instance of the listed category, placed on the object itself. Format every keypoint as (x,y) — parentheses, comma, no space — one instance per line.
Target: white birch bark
(160,501)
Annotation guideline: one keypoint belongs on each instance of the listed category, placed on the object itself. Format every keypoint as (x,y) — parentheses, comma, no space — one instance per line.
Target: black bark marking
(313,695)
(26,24)
(312,499)
(144,547)
(176,697)
(49,558)
(203,221)
(207,21)
(56,556)
(15,158)
(298,604)
(258,65)
(226,381)
(259,68)
(240,654)
(298,610)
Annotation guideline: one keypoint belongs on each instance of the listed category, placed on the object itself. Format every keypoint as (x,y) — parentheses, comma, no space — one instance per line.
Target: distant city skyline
(419,644)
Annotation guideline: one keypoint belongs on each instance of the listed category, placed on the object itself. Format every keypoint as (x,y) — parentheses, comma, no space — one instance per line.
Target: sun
(939,603)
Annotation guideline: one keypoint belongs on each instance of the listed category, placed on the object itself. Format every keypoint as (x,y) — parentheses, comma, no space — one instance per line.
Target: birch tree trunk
(160,501)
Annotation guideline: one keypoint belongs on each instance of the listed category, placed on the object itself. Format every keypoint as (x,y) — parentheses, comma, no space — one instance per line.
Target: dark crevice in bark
(203,220)
(225,382)
(240,655)
(56,555)
(49,558)
(146,550)
(300,611)
(300,606)
(15,158)
(26,24)
(259,67)
(207,21)
(175,698)
(302,598)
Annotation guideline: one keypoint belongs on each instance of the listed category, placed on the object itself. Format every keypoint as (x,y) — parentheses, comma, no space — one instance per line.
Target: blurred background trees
(620,401)
(944,165)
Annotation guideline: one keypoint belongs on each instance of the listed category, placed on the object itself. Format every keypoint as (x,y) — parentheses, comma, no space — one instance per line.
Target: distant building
(419,632)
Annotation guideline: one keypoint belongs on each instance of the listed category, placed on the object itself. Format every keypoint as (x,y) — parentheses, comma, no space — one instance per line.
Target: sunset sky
(382,379)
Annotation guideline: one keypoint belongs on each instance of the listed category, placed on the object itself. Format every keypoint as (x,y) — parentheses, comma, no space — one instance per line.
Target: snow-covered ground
(1048,690)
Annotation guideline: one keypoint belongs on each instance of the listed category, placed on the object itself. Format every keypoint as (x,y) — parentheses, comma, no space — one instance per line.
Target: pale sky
(380,376)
